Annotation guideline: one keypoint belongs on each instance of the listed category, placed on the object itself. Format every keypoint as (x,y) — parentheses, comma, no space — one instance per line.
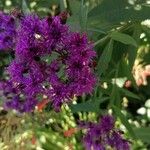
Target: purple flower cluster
(103,134)
(7,31)
(49,60)
(14,97)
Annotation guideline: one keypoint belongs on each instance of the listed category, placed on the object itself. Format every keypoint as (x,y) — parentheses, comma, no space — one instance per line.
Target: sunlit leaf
(123,38)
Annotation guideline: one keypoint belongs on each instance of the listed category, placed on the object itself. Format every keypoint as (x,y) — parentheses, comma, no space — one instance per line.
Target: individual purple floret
(54,31)
(103,134)
(25,105)
(50,60)
(7,31)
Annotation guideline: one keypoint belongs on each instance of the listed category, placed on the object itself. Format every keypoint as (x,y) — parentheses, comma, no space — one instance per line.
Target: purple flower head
(107,123)
(7,31)
(103,134)
(15,98)
(116,140)
(55,29)
(50,60)
(25,105)
(59,93)
(79,41)
(30,38)
(16,71)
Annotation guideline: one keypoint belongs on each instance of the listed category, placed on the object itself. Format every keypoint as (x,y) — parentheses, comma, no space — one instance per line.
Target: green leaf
(48,59)
(129,94)
(115,98)
(105,58)
(73,21)
(123,38)
(78,19)
(25,8)
(143,134)
(124,70)
(85,107)
(83,15)
(132,51)
(63,5)
(124,121)
(109,13)
(96,30)
(89,106)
